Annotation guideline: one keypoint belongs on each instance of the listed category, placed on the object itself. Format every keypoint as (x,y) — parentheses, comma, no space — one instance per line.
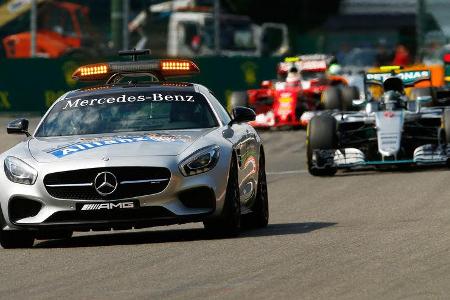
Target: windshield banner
(89,144)
(111,99)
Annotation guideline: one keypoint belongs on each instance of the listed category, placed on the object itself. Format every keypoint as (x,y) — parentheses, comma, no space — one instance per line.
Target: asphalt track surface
(365,235)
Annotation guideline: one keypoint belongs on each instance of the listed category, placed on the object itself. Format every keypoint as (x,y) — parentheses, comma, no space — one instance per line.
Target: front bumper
(182,201)
(349,158)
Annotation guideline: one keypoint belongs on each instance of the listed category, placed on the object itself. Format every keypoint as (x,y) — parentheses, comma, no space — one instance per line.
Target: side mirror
(424,99)
(372,106)
(242,114)
(19,126)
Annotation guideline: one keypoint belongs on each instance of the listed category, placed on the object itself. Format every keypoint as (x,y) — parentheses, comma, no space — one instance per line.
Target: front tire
(16,239)
(321,135)
(229,223)
(259,217)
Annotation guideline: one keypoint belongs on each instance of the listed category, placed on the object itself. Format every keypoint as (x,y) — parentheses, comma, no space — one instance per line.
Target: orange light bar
(178,67)
(92,72)
(162,68)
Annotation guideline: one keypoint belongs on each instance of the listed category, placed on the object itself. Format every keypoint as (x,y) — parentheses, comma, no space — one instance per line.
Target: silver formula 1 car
(392,130)
(133,154)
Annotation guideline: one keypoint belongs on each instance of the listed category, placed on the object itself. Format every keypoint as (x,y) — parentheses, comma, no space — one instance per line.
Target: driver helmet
(335,69)
(393,100)
(293,76)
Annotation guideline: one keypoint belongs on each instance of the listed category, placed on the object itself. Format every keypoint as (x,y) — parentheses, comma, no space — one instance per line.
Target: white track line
(288,172)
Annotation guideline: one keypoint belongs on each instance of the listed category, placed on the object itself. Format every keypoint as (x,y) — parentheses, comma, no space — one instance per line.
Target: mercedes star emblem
(105,183)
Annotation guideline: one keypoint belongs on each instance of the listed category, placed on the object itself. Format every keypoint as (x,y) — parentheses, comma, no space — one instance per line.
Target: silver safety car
(135,152)
(390,131)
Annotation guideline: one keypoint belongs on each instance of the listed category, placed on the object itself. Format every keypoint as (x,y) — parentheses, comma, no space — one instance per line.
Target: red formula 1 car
(302,83)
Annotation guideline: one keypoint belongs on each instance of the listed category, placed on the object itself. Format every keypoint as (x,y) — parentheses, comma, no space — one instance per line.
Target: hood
(164,143)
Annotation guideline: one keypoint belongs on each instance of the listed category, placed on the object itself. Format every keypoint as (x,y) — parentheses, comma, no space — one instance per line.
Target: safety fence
(32,85)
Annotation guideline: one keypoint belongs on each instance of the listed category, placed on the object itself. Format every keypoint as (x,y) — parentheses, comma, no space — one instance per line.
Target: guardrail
(32,85)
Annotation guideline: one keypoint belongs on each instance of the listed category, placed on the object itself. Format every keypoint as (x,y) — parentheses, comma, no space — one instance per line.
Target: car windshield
(127,112)
(234,35)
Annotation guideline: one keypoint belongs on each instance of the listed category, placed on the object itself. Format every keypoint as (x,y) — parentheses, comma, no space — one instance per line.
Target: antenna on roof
(134,53)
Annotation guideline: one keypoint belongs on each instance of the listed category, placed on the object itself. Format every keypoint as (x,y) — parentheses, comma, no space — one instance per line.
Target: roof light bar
(176,67)
(160,68)
(92,72)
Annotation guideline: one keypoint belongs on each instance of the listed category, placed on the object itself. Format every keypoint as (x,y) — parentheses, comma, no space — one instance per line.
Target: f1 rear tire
(331,98)
(447,126)
(16,239)
(348,94)
(321,135)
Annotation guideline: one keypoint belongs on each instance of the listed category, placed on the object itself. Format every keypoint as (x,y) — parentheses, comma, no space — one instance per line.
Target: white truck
(191,33)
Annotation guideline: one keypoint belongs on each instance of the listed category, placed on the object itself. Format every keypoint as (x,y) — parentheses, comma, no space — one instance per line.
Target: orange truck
(63,27)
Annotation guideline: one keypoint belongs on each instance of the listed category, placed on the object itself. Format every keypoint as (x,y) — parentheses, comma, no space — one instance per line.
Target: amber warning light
(160,68)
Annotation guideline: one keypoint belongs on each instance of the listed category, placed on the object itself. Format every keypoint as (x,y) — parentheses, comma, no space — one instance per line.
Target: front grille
(132,182)
(140,214)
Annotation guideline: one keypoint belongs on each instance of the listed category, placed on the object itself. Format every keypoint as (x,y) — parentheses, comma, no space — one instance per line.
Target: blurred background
(237,43)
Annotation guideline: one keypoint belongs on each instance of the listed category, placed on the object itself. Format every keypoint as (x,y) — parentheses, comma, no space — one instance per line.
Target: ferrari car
(303,82)
(389,131)
(134,152)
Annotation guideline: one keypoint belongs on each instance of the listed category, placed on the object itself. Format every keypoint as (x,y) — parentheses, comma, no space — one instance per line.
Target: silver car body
(390,134)
(109,152)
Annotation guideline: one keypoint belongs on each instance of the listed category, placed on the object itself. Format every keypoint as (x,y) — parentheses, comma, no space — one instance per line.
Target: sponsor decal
(313,65)
(389,114)
(108,206)
(408,77)
(88,144)
(17,5)
(110,99)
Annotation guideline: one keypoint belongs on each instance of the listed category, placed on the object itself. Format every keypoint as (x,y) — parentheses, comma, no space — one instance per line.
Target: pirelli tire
(348,94)
(238,98)
(446,133)
(321,135)
(331,98)
(446,126)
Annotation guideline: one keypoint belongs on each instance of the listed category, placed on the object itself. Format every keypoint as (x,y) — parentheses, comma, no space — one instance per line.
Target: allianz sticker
(88,144)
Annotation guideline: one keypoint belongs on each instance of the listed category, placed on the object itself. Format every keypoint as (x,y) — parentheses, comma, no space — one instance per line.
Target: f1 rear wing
(409,77)
(311,62)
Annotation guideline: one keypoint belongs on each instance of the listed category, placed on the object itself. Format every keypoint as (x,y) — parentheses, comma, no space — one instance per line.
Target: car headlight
(200,161)
(20,172)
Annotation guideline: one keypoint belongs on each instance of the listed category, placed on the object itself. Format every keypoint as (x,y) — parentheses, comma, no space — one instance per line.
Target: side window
(189,34)
(221,110)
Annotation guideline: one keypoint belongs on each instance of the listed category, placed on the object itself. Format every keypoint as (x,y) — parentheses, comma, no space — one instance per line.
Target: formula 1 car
(303,86)
(133,153)
(392,130)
